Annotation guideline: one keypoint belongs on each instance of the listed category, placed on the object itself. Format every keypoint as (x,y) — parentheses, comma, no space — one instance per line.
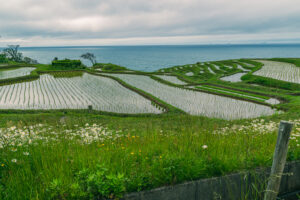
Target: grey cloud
(94,19)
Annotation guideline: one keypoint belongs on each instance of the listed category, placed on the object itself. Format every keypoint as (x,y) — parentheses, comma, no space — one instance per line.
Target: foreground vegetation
(51,156)
(68,154)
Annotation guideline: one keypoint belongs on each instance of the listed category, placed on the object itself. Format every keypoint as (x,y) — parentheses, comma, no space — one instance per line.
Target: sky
(144,22)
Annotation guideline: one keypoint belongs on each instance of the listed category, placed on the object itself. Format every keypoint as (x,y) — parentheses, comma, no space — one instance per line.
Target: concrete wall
(244,185)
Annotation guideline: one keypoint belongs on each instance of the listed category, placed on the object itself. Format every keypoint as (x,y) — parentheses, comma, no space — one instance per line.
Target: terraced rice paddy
(197,103)
(5,74)
(48,92)
(203,69)
(172,79)
(217,67)
(228,66)
(224,91)
(233,78)
(238,94)
(272,101)
(210,70)
(242,68)
(247,64)
(279,70)
(190,74)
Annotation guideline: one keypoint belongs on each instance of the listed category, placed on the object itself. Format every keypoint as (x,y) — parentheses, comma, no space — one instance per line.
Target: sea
(153,57)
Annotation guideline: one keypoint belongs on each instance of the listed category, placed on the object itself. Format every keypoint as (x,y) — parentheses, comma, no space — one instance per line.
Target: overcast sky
(131,22)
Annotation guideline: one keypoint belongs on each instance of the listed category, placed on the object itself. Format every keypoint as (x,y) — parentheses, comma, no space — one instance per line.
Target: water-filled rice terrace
(194,102)
(13,73)
(279,70)
(231,89)
(74,93)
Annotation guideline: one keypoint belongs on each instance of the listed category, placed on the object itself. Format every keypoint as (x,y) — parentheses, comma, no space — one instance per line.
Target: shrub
(28,60)
(99,183)
(3,58)
(67,64)
(56,189)
(12,53)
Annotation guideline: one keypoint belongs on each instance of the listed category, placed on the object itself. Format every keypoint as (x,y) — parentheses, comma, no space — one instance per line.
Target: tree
(3,58)
(28,60)
(12,53)
(89,56)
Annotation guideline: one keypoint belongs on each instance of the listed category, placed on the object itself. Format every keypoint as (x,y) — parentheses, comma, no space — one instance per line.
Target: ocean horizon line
(163,45)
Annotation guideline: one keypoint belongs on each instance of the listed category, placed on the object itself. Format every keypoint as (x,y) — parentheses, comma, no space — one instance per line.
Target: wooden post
(279,159)
(90,108)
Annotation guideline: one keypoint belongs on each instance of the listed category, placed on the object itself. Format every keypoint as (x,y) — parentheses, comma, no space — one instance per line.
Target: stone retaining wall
(243,185)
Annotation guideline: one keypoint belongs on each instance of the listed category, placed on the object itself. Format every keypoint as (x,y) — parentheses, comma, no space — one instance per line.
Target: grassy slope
(180,72)
(155,150)
(278,89)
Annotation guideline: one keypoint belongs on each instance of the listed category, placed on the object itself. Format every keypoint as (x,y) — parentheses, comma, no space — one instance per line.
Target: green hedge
(70,64)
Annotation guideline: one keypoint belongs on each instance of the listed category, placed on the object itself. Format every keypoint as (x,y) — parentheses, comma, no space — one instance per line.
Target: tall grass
(133,154)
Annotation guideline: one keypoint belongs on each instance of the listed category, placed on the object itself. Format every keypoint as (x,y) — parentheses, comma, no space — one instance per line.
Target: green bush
(56,189)
(28,60)
(100,183)
(3,58)
(67,64)
(96,183)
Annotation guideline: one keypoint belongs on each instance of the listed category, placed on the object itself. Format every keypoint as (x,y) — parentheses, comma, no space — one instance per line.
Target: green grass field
(73,154)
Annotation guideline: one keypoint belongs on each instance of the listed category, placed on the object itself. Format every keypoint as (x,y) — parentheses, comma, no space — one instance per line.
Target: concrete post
(279,159)
(90,108)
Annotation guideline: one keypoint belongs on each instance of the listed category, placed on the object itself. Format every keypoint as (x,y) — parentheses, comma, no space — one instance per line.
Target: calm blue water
(151,58)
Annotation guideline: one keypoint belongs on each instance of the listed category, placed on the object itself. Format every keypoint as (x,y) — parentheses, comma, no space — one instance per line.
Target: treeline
(11,53)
